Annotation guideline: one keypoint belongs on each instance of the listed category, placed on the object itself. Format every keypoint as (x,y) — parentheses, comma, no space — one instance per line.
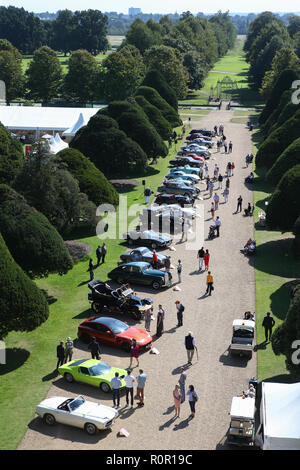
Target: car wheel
(90,429)
(156,285)
(105,387)
(96,307)
(153,246)
(69,377)
(49,419)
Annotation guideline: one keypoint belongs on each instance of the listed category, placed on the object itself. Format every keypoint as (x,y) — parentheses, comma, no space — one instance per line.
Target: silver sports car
(77,412)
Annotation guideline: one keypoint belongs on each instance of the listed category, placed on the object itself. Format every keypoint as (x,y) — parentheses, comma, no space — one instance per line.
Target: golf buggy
(242,338)
(121,300)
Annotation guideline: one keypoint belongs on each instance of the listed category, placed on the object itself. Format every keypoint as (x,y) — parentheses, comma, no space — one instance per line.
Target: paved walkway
(216,376)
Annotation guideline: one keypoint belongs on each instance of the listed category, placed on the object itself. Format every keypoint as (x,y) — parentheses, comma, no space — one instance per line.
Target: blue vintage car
(187,169)
(175,187)
(143,253)
(182,175)
(141,273)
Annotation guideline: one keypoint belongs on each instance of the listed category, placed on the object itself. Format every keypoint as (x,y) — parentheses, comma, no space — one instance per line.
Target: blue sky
(158,6)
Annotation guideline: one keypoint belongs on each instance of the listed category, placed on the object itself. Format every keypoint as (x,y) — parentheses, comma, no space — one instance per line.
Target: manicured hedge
(155,79)
(277,141)
(23,307)
(156,100)
(289,158)
(11,156)
(155,116)
(283,208)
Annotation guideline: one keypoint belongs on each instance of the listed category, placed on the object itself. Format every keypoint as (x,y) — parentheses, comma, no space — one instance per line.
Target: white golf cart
(242,337)
(242,423)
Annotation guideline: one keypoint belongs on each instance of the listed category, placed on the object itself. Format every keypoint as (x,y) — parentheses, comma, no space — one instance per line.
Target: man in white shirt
(129,379)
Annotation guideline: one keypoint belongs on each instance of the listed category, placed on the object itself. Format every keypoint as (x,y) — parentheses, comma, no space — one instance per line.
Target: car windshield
(99,369)
(116,326)
(75,404)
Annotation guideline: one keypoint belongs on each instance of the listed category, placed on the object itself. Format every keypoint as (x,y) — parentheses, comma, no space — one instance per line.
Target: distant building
(134,11)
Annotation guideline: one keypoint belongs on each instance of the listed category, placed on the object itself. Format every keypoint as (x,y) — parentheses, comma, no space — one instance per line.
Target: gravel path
(216,377)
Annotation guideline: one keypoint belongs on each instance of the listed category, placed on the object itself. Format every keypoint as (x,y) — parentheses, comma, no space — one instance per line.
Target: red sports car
(114,333)
(195,157)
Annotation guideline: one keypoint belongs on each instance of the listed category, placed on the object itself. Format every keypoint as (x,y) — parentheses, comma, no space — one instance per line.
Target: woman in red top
(232,168)
(155,260)
(206,260)
(134,352)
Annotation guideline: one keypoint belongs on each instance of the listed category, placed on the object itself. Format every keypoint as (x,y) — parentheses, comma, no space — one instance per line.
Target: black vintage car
(164,198)
(121,300)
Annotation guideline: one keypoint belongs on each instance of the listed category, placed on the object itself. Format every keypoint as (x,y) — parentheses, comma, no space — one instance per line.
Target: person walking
(232,168)
(129,379)
(179,271)
(200,257)
(220,181)
(98,254)
(229,169)
(95,348)
(91,269)
(211,188)
(230,146)
(116,384)
(216,200)
(216,130)
(247,160)
(209,283)
(218,225)
(206,170)
(180,310)
(189,342)
(60,354)
(206,260)
(239,204)
(226,194)
(225,147)
(147,194)
(268,323)
(177,400)
(221,129)
(104,251)
(193,398)
(134,353)
(147,317)
(181,381)
(68,350)
(212,210)
(160,321)
(227,183)
(141,382)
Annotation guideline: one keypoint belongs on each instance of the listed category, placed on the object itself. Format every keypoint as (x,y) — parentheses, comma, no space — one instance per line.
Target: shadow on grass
(15,358)
(274,257)
(280,300)
(50,299)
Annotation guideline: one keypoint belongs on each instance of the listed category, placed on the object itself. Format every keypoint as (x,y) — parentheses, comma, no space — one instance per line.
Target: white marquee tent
(57,144)
(280,416)
(82,121)
(39,118)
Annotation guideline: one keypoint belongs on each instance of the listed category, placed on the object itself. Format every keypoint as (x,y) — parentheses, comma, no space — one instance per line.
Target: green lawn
(31,357)
(275,269)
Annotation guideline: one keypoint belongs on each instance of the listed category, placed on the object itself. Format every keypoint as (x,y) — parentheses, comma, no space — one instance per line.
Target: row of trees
(271,46)
(68,32)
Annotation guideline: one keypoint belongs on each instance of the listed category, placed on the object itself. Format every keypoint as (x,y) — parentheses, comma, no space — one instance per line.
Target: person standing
(212,210)
(91,269)
(200,257)
(209,283)
(230,146)
(232,168)
(218,225)
(216,200)
(226,194)
(193,398)
(141,381)
(168,263)
(206,170)
(268,323)
(179,271)
(134,352)
(68,350)
(206,260)
(60,354)
(239,204)
(228,183)
(177,400)
(189,342)
(229,169)
(95,348)
(104,251)
(160,321)
(211,188)
(225,147)
(98,254)
(181,381)
(147,194)
(220,181)
(129,379)
(116,384)
(155,260)
(147,317)
(180,310)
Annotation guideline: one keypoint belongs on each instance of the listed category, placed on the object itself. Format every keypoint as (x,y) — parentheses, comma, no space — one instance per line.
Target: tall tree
(11,72)
(80,83)
(11,156)
(90,31)
(142,37)
(63,30)
(44,75)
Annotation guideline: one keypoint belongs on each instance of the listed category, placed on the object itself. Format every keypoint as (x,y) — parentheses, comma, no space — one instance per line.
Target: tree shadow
(15,358)
(275,257)
(280,300)
(50,299)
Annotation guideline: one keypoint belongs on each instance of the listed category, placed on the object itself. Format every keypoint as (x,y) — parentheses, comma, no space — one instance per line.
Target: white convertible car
(77,412)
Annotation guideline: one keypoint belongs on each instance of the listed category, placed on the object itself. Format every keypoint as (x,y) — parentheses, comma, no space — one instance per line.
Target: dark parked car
(173,188)
(141,273)
(147,238)
(120,300)
(174,199)
(205,132)
(143,254)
